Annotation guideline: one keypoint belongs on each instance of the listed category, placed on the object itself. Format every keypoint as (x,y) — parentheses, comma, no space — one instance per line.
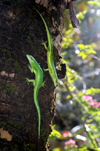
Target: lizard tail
(39,114)
(38,144)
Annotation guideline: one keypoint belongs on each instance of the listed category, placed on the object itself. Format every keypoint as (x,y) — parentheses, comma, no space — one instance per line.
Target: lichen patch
(5,134)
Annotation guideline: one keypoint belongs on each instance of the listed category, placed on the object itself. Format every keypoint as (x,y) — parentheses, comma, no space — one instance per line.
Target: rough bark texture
(21,33)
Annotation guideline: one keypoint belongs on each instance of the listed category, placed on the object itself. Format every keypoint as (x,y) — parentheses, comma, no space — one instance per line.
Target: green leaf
(92,91)
(83,149)
(89,49)
(56,149)
(64,39)
(81,46)
(54,133)
(68,97)
(82,54)
(94,3)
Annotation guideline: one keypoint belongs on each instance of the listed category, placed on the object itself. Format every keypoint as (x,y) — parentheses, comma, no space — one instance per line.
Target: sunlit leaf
(54,133)
(64,39)
(94,3)
(68,97)
(81,46)
(92,91)
(56,149)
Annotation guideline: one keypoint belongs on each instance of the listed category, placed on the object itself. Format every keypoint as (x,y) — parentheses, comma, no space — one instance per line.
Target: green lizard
(37,83)
(49,49)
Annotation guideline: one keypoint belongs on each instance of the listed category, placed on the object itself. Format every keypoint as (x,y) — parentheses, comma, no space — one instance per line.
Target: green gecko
(49,49)
(37,83)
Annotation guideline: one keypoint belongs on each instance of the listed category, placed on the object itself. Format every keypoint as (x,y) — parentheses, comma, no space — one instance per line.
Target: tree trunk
(21,32)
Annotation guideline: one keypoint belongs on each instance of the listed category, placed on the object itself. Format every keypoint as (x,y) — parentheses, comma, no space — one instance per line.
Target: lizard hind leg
(46,69)
(43,84)
(45,46)
(31,80)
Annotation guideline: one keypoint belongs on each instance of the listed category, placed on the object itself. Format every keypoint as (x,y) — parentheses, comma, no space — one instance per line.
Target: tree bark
(21,32)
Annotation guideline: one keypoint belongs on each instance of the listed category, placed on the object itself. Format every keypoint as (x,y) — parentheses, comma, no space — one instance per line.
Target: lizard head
(32,62)
(30,59)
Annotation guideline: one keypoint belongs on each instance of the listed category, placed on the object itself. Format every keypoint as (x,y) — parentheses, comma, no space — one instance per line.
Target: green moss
(28,147)
(2,124)
(6,52)
(8,89)
(44,134)
(18,69)
(21,29)
(8,63)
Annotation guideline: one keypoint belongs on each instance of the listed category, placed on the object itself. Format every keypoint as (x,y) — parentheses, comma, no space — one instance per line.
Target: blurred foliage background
(76,125)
